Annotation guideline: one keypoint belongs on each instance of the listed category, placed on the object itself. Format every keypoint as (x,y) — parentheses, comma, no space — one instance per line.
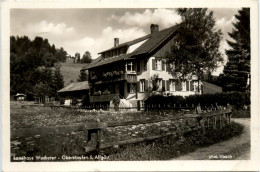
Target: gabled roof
(153,41)
(76,86)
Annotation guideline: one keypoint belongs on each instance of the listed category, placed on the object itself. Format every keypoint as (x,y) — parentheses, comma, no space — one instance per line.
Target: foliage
(173,146)
(83,76)
(86,58)
(237,70)
(241,113)
(154,83)
(61,55)
(57,79)
(116,102)
(237,99)
(27,59)
(77,57)
(196,49)
(42,89)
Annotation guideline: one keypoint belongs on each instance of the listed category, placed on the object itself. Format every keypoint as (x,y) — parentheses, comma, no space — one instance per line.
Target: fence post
(99,132)
(229,114)
(208,123)
(220,121)
(214,122)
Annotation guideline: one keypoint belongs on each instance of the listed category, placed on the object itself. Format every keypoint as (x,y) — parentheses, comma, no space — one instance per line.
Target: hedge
(236,99)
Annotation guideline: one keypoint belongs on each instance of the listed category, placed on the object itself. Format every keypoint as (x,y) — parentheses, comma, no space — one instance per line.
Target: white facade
(163,75)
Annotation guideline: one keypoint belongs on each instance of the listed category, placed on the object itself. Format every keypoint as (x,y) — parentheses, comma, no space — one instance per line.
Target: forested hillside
(34,67)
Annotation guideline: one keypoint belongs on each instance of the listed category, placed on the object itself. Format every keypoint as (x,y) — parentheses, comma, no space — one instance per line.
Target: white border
(229,165)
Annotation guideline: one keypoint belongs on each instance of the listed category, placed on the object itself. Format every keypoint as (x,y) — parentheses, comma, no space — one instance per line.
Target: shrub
(236,99)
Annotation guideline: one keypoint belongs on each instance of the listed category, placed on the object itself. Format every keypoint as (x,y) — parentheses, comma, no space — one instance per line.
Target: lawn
(70,71)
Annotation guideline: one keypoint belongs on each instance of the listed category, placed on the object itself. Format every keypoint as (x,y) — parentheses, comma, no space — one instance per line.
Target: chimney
(116,42)
(154,28)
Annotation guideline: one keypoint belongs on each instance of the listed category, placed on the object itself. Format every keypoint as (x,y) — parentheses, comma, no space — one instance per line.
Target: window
(183,84)
(129,66)
(142,85)
(172,85)
(131,87)
(158,64)
(195,86)
(159,84)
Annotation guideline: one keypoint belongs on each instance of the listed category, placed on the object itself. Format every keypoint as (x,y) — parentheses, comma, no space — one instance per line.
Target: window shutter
(138,86)
(178,86)
(163,85)
(167,85)
(163,65)
(191,86)
(138,105)
(138,66)
(146,85)
(153,64)
(187,86)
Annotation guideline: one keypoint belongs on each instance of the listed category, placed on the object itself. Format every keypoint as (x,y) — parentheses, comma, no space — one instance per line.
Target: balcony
(129,76)
(102,98)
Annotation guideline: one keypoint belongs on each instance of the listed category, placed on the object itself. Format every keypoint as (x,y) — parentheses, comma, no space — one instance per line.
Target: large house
(129,69)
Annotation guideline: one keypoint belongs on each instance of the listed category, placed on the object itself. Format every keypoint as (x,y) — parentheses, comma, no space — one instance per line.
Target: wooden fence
(210,118)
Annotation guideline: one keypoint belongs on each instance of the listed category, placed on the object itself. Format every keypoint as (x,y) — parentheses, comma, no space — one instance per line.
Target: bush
(236,99)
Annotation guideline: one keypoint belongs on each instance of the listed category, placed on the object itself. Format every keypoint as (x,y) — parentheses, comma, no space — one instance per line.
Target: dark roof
(101,61)
(76,86)
(92,63)
(154,40)
(209,88)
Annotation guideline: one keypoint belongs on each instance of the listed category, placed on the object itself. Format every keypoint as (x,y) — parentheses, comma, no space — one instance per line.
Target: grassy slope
(71,71)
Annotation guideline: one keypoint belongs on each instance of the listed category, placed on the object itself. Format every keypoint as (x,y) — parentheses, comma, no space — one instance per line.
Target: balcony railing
(102,98)
(129,76)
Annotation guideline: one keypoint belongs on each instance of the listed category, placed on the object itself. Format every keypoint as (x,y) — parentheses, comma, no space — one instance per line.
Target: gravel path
(219,150)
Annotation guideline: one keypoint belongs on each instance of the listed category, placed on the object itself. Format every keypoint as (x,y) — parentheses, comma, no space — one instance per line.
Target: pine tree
(57,79)
(237,70)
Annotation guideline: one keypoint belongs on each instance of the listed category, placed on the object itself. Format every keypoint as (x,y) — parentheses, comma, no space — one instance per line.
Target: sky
(94,30)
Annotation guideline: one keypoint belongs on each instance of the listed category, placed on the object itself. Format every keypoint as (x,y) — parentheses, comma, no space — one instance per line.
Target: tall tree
(196,49)
(61,55)
(86,58)
(236,74)
(57,79)
(77,57)
(82,76)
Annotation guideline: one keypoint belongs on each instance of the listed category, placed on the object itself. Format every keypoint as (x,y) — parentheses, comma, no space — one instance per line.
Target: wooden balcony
(102,98)
(130,77)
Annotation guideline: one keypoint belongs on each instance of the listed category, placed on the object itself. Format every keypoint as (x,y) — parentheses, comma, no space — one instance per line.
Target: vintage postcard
(130,86)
